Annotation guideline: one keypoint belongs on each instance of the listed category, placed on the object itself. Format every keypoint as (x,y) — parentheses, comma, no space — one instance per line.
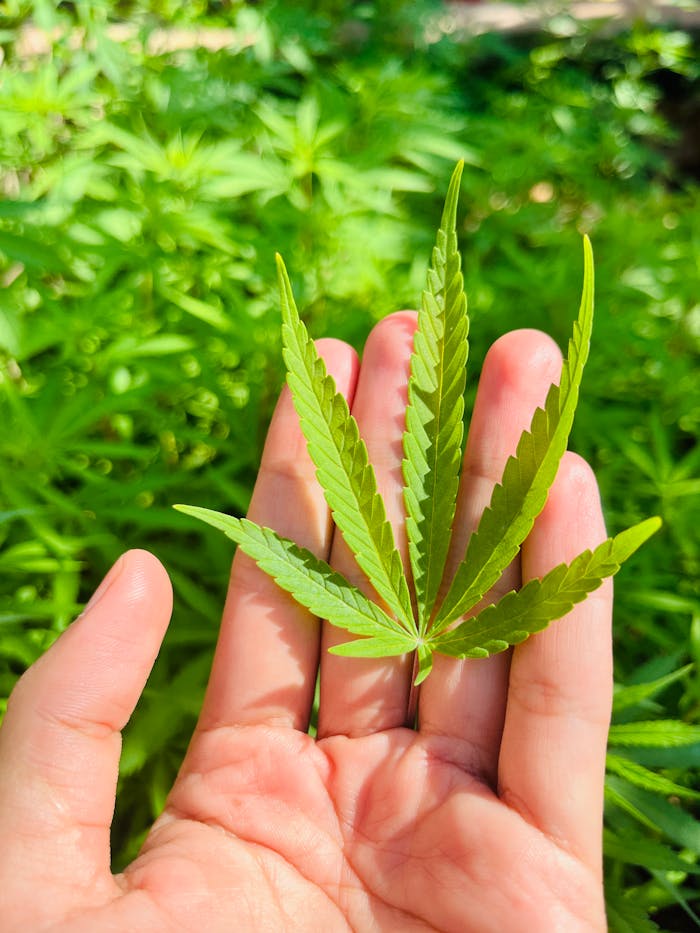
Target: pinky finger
(552,762)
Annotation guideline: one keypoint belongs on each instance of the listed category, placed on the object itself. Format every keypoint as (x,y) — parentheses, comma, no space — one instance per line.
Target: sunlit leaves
(433,438)
(522,492)
(340,456)
(432,453)
(310,580)
(530,609)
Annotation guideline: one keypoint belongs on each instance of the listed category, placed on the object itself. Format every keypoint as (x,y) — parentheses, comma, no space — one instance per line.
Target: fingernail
(101,590)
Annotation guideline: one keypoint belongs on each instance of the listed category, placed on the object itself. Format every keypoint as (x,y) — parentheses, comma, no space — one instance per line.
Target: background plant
(144,196)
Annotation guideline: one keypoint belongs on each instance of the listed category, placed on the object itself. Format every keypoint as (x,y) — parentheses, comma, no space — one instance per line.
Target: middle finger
(465,700)
(358,695)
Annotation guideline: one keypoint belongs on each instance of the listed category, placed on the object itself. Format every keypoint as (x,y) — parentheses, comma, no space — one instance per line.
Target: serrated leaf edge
(342,464)
(310,580)
(564,586)
(434,414)
(477,573)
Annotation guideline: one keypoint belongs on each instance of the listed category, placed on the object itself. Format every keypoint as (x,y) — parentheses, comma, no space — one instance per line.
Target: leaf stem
(413,695)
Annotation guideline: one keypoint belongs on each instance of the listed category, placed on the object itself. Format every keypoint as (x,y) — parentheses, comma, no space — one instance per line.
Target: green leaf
(661,733)
(378,646)
(686,756)
(160,716)
(425,663)
(651,810)
(642,777)
(637,849)
(199,309)
(310,580)
(342,465)
(625,916)
(522,612)
(433,438)
(519,497)
(629,695)
(29,252)
(677,893)
(129,347)
(614,797)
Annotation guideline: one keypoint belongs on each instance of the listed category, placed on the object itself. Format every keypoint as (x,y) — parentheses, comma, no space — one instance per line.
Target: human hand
(487,817)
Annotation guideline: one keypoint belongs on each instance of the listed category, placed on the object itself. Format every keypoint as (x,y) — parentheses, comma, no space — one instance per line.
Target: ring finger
(360,696)
(465,700)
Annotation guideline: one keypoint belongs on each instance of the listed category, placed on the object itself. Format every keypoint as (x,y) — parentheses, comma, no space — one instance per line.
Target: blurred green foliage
(144,192)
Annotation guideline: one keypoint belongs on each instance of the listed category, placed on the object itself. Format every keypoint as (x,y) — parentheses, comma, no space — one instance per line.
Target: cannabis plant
(422,621)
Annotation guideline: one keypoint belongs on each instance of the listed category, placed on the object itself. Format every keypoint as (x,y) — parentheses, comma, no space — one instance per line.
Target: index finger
(266,658)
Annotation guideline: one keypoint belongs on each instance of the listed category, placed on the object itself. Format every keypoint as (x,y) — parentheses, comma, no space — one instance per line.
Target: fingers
(553,752)
(266,659)
(60,742)
(360,696)
(465,700)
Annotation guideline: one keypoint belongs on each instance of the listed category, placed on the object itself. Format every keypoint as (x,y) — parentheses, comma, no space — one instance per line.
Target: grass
(144,197)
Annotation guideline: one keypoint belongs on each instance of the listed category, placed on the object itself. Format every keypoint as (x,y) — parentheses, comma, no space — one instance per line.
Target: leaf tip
(282,276)
(421,675)
(633,538)
(449,215)
(653,524)
(287,303)
(646,528)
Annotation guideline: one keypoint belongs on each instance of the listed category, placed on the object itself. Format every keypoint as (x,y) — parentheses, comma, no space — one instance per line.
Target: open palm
(484,817)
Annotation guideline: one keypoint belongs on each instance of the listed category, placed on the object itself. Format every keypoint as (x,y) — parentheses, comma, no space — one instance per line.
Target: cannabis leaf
(433,439)
(342,466)
(530,609)
(432,453)
(519,497)
(310,580)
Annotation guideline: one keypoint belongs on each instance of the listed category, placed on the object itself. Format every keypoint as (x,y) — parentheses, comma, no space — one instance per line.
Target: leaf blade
(377,646)
(433,437)
(658,733)
(522,492)
(625,915)
(651,810)
(341,460)
(310,580)
(425,663)
(523,612)
(648,780)
(633,848)
(627,695)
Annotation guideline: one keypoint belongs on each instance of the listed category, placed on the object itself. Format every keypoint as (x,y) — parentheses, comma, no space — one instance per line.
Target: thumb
(60,740)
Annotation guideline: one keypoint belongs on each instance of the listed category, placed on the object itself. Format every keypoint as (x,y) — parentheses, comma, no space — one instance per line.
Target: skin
(487,817)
